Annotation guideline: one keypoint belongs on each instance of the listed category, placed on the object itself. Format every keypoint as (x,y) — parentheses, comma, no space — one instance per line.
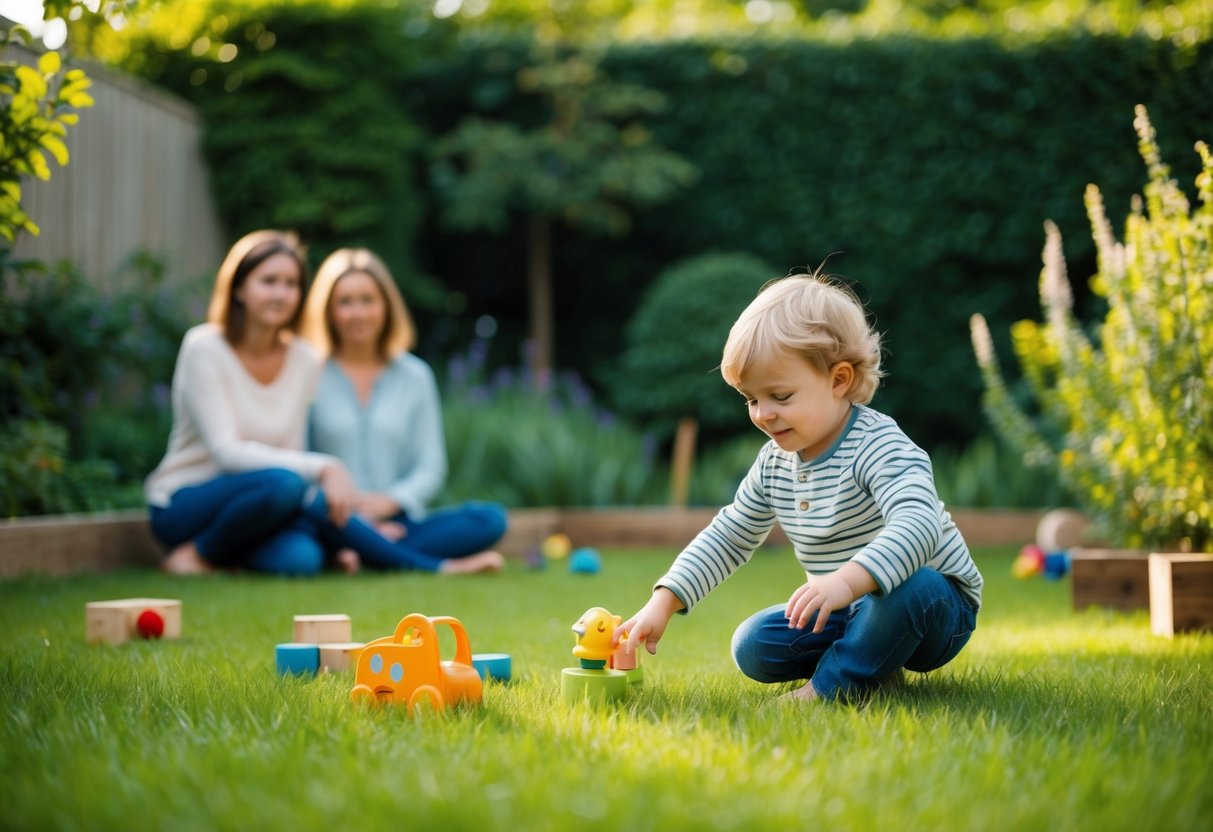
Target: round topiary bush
(673,342)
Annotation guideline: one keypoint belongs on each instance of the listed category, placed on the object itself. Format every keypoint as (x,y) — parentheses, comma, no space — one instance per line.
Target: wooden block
(626,661)
(322,629)
(115,622)
(1116,578)
(1181,593)
(340,656)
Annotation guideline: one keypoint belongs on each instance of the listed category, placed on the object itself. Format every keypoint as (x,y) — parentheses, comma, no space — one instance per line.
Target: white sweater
(226,422)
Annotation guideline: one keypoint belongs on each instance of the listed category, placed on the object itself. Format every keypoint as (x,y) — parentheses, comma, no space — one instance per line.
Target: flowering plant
(1126,417)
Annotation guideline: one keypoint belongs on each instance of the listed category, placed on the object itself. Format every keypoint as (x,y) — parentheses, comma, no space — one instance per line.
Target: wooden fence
(136,181)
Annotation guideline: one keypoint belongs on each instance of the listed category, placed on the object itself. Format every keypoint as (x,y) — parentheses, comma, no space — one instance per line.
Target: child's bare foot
(489,561)
(801,694)
(348,561)
(186,560)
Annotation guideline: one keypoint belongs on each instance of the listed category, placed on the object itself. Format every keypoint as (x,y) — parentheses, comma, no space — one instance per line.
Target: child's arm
(826,594)
(647,626)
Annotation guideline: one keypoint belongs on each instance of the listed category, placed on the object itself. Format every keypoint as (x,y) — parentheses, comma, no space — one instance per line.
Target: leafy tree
(35,112)
(584,163)
(1133,408)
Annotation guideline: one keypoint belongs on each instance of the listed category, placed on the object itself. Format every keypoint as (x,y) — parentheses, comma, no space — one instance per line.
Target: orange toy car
(406,667)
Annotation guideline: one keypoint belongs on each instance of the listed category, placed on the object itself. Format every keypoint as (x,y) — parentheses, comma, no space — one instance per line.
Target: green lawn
(1048,720)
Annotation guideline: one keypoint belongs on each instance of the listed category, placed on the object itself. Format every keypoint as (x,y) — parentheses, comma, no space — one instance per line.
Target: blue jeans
(454,532)
(249,520)
(920,625)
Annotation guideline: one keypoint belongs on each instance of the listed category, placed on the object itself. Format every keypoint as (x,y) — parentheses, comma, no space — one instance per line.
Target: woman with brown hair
(230,488)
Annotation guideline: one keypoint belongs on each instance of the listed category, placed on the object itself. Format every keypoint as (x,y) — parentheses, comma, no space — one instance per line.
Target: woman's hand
(375,506)
(339,492)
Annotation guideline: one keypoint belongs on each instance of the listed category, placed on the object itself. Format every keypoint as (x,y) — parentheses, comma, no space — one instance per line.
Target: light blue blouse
(395,444)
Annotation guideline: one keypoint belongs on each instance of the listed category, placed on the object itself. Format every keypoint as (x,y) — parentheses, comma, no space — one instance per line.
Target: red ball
(150,624)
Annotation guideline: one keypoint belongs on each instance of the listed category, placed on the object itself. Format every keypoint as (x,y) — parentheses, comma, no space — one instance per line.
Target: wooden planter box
(66,544)
(1116,578)
(1181,593)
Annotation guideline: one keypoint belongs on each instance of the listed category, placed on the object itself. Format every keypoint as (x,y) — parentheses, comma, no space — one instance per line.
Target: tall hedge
(307,122)
(926,167)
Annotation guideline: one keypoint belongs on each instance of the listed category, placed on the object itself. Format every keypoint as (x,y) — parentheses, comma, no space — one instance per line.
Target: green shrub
(1132,406)
(991,474)
(673,343)
(510,442)
(720,468)
(84,383)
(36,477)
(56,344)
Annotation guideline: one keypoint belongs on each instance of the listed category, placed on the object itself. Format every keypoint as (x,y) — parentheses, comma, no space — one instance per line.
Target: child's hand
(823,596)
(648,626)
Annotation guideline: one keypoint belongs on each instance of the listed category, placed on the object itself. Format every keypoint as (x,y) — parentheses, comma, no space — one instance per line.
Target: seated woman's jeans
(247,519)
(920,625)
(447,533)
(274,521)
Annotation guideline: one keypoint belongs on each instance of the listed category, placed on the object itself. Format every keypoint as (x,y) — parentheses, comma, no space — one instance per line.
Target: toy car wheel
(362,693)
(424,693)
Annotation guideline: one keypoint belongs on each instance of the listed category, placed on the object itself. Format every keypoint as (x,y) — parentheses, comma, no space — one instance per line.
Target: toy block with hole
(1181,593)
(340,656)
(593,681)
(1113,578)
(118,621)
(323,629)
(407,667)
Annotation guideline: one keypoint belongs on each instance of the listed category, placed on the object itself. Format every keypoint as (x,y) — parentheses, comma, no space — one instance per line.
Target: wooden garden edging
(66,544)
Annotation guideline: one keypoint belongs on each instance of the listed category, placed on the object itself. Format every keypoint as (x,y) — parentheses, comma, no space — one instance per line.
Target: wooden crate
(1115,578)
(1181,593)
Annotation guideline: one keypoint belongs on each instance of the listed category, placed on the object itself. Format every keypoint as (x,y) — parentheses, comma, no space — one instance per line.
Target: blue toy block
(495,666)
(294,658)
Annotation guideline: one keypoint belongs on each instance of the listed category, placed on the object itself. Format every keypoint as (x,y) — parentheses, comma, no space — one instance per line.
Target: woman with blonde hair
(377,409)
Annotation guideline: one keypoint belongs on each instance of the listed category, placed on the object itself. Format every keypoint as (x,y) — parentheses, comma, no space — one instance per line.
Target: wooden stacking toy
(115,622)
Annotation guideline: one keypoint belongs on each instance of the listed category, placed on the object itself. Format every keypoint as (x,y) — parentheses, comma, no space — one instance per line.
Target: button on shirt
(394,444)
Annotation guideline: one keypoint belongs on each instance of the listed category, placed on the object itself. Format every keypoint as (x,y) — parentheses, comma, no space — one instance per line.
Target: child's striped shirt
(869,498)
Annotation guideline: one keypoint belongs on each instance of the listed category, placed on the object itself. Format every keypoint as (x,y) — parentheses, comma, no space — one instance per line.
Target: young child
(891,583)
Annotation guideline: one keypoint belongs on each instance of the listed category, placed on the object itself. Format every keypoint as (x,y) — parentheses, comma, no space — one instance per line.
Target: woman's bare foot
(186,560)
(489,561)
(801,694)
(348,561)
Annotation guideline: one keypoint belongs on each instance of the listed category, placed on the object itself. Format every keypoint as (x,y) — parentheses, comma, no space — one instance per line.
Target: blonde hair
(398,334)
(249,252)
(813,316)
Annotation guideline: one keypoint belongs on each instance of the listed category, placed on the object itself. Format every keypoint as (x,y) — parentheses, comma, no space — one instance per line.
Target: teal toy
(297,659)
(492,666)
(585,561)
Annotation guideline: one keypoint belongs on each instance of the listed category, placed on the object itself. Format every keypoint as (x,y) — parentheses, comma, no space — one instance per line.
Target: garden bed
(66,544)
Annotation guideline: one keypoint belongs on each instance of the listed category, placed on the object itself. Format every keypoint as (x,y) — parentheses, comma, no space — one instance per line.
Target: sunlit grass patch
(1048,719)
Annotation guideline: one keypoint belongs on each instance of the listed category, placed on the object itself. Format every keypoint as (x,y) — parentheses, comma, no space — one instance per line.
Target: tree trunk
(539,287)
